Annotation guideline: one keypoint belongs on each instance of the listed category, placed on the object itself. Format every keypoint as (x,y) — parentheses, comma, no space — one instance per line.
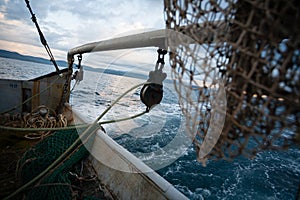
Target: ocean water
(270,175)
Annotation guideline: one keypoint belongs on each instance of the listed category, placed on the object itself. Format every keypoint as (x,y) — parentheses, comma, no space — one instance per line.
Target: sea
(270,175)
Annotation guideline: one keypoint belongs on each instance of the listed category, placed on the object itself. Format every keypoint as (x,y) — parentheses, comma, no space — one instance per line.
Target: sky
(70,23)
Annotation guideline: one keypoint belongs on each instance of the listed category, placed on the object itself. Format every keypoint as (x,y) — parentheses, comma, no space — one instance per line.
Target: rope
(254,60)
(42,129)
(75,146)
(42,38)
(41,117)
(69,127)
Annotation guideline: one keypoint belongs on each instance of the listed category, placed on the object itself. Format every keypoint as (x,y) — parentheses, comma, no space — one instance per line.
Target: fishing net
(59,184)
(253,46)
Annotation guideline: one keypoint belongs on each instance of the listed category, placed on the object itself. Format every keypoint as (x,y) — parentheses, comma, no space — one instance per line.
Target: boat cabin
(45,90)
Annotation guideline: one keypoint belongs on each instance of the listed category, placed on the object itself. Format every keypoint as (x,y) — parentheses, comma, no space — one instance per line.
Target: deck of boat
(12,149)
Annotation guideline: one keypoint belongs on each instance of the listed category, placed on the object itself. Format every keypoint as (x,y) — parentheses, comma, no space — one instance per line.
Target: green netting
(57,184)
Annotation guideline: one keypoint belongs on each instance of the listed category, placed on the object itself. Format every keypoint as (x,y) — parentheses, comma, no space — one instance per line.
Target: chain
(79,61)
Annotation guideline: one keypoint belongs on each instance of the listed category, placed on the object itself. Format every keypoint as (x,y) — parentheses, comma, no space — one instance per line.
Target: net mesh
(58,184)
(253,46)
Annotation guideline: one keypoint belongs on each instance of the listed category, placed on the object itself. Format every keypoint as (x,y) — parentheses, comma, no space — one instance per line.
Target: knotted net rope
(254,47)
(40,117)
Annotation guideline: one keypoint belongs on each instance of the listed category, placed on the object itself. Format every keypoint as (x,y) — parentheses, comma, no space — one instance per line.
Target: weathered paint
(136,180)
(35,91)
(12,92)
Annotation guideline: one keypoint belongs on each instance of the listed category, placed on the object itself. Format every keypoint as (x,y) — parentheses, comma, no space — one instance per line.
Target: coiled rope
(82,139)
(17,129)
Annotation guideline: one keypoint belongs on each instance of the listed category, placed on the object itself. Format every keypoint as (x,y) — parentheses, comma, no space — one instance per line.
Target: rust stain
(35,90)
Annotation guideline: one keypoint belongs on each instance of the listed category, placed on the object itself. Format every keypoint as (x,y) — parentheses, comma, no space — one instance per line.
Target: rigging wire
(66,92)
(42,37)
(76,144)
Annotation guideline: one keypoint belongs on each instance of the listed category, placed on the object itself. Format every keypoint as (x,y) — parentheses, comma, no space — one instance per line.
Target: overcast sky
(69,23)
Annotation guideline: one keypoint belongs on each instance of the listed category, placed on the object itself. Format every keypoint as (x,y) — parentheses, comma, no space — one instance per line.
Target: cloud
(69,23)
(17,10)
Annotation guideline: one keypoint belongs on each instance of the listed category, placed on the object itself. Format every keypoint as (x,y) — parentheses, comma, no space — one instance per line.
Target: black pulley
(151,95)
